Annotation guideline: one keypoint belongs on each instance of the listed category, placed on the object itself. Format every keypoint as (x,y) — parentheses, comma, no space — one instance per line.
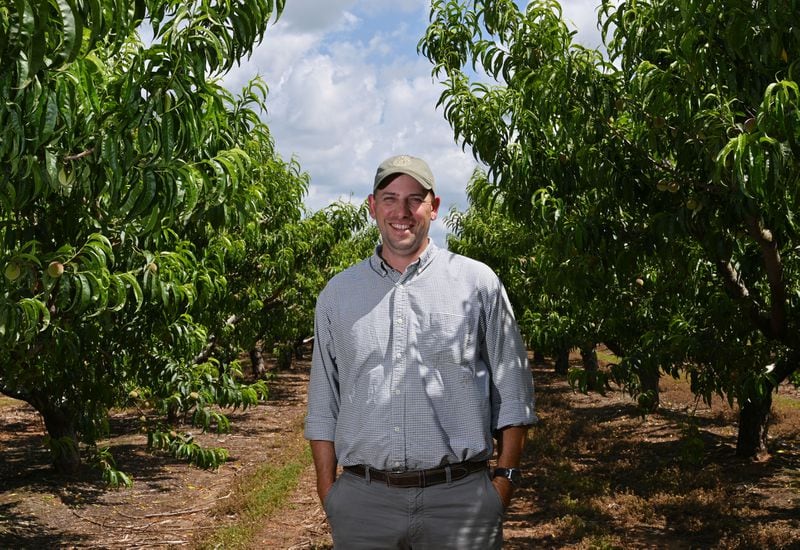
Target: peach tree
(146,220)
(670,159)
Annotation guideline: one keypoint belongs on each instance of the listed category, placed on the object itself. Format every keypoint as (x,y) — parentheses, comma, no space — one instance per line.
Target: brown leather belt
(419,478)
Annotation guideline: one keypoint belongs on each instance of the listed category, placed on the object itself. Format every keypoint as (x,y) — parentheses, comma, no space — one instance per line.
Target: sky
(347,89)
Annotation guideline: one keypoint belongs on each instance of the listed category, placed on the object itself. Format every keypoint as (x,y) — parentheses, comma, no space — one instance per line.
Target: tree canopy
(656,183)
(150,231)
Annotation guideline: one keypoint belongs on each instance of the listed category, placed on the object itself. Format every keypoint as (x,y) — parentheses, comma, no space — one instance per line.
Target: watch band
(514,475)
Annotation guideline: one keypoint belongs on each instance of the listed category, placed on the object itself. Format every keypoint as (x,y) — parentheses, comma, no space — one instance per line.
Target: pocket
(446,339)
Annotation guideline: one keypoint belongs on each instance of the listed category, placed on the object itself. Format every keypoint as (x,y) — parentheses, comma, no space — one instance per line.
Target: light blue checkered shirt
(416,370)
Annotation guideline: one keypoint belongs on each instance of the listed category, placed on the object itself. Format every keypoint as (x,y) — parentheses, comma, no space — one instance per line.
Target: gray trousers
(461,515)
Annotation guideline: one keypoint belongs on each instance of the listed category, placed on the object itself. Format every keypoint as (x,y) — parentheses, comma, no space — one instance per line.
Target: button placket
(399,353)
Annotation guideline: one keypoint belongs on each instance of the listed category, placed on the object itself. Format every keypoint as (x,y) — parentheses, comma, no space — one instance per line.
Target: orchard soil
(598,476)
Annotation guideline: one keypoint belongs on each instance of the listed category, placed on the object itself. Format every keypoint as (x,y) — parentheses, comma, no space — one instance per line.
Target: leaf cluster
(149,231)
(645,195)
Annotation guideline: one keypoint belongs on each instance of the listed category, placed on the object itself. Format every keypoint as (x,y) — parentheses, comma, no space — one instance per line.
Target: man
(418,365)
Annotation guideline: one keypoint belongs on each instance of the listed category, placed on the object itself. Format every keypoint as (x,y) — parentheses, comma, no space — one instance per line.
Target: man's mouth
(400,226)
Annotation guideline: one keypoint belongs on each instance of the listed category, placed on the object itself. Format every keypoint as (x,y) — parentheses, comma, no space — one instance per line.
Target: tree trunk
(649,376)
(299,350)
(754,417)
(257,360)
(562,361)
(60,423)
(756,412)
(589,358)
(538,358)
(285,355)
(592,368)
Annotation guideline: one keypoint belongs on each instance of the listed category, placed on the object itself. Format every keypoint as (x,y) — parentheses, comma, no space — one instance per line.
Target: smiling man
(419,380)
(403,208)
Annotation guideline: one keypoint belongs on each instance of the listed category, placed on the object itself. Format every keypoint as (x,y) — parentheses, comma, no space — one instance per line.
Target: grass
(259,496)
(7,402)
(786,402)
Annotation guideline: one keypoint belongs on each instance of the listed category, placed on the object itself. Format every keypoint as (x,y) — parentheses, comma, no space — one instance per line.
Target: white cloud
(375,7)
(304,16)
(347,89)
(581,15)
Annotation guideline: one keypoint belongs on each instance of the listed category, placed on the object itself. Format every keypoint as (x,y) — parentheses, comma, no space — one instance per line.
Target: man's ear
(435,207)
(371,202)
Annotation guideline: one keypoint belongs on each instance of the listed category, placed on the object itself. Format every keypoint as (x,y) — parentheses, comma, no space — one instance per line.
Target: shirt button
(397,392)
(399,320)
(396,429)
(399,355)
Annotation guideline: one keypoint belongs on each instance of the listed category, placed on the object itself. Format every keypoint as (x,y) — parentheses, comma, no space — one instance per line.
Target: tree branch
(738,291)
(784,368)
(80,155)
(234,320)
(774,268)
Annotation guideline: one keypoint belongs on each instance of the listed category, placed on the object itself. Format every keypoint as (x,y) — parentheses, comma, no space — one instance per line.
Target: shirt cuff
(518,413)
(320,430)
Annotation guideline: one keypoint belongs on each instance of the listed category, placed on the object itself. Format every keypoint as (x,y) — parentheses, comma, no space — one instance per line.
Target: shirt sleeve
(323,389)
(505,352)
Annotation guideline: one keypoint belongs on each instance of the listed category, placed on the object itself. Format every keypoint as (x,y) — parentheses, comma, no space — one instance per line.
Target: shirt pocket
(446,338)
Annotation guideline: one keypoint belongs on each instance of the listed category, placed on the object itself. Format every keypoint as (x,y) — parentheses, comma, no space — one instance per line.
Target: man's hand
(322,489)
(505,489)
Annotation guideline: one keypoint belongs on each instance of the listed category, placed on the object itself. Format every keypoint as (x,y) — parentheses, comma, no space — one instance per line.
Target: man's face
(403,211)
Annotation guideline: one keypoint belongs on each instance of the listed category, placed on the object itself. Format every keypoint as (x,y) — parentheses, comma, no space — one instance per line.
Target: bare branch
(774,268)
(738,291)
(80,155)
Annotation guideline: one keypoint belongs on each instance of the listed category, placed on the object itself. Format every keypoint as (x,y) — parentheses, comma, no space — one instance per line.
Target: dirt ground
(598,476)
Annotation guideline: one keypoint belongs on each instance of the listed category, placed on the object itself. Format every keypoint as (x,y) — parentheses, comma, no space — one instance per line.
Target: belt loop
(366,473)
(448,474)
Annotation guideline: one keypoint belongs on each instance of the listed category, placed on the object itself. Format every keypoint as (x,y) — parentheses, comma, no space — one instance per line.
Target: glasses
(413,202)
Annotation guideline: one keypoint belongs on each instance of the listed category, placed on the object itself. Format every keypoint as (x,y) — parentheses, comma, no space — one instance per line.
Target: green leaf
(73,30)
(129,281)
(38,41)
(96,18)
(82,293)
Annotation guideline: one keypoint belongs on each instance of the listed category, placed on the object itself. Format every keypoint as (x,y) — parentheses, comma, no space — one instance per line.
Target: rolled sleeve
(512,392)
(323,387)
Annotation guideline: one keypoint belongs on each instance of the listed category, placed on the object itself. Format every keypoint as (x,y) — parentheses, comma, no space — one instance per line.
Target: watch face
(512,474)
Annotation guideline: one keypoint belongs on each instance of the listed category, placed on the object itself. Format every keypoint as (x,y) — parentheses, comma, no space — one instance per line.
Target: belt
(419,478)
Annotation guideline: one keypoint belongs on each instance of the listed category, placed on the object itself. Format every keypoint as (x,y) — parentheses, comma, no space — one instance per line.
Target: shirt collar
(382,268)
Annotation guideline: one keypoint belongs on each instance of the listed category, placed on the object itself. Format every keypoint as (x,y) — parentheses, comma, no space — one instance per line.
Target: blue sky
(347,89)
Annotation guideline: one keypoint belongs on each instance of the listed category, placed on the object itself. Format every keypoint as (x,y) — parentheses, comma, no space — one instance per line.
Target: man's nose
(403,206)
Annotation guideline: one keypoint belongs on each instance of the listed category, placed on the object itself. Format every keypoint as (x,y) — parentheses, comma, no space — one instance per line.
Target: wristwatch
(514,475)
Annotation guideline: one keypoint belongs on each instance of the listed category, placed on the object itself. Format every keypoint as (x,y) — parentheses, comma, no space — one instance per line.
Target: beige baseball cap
(405,164)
